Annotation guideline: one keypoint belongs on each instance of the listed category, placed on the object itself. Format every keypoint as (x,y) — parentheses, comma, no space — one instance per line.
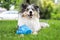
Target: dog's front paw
(35,33)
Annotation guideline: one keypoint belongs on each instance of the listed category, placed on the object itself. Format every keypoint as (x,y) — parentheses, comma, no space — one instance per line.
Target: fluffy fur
(30,16)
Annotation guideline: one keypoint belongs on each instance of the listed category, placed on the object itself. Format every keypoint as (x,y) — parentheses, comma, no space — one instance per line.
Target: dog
(29,15)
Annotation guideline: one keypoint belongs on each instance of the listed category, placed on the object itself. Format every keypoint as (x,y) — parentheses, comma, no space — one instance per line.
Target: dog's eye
(27,9)
(33,9)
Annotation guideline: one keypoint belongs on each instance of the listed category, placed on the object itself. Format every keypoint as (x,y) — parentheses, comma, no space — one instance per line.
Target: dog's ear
(37,8)
(24,6)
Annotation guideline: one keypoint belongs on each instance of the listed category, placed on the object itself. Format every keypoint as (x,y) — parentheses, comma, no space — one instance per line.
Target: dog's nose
(30,13)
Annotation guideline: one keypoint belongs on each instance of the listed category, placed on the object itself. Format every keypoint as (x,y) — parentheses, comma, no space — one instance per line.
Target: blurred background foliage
(6,3)
(48,8)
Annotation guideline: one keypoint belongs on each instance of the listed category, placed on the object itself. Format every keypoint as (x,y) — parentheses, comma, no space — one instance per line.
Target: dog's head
(30,10)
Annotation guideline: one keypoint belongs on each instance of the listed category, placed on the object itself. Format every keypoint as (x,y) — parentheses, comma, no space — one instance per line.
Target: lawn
(8,29)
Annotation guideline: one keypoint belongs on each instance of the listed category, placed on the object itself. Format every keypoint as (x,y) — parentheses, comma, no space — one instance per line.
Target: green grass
(8,29)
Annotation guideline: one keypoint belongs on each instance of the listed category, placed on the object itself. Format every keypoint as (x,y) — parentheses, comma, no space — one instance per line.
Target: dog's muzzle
(30,14)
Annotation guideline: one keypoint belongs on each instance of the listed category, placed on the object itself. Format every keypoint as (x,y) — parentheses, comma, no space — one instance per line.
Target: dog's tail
(44,24)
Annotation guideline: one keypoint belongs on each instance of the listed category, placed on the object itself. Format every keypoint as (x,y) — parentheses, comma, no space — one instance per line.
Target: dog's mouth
(30,16)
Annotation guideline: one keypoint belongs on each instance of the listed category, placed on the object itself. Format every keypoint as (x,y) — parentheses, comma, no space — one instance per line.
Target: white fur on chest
(32,23)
